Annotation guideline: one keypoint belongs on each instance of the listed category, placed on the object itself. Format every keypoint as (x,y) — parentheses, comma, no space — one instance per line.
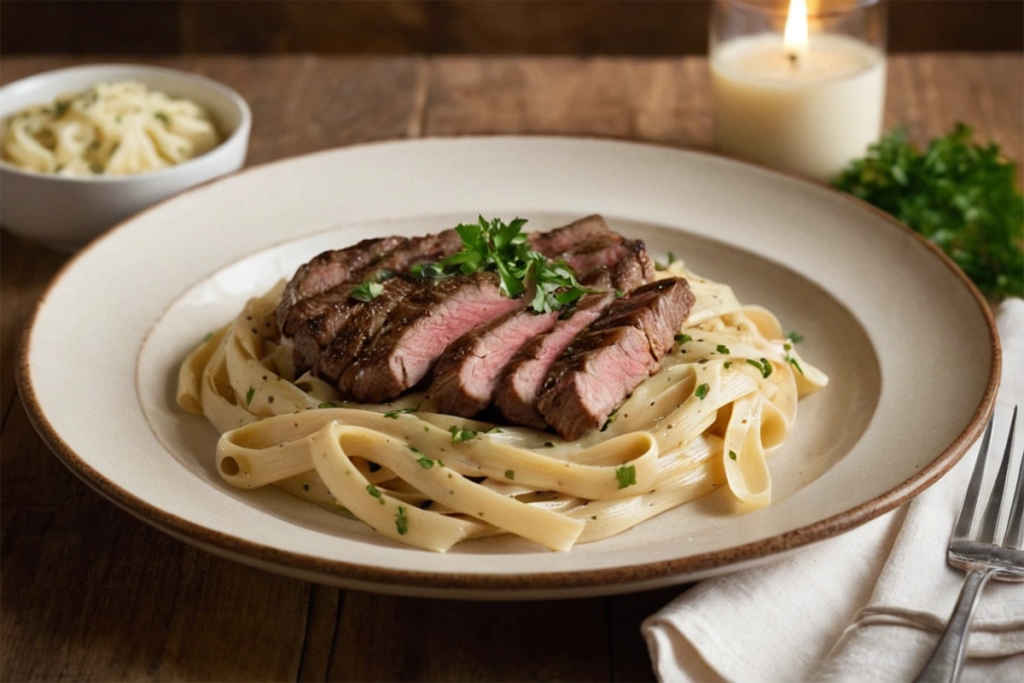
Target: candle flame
(795,39)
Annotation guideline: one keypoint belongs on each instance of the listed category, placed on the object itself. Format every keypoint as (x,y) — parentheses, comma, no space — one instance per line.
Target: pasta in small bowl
(84,148)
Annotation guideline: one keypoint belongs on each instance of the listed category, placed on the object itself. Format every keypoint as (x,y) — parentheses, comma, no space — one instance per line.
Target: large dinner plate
(909,344)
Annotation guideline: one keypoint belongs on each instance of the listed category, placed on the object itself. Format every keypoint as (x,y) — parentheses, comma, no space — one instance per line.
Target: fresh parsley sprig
(960,195)
(494,246)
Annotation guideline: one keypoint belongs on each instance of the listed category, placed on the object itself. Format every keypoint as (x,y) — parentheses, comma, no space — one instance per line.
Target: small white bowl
(65,213)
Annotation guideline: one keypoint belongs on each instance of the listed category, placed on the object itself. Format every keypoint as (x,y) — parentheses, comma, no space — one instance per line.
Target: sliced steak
(557,242)
(418,332)
(524,376)
(333,268)
(369,260)
(468,372)
(605,363)
(312,324)
(597,252)
(361,326)
(313,307)
(416,250)
(658,309)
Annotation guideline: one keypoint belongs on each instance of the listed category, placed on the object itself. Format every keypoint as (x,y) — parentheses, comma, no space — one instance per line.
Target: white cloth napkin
(867,606)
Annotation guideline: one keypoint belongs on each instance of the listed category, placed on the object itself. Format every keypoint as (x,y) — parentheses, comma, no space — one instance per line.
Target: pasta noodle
(725,398)
(111,129)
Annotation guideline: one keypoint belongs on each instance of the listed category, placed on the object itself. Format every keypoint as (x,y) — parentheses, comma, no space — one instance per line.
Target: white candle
(805,107)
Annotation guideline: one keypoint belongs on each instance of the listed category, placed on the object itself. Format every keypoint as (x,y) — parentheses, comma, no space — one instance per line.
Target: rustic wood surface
(89,593)
(400,27)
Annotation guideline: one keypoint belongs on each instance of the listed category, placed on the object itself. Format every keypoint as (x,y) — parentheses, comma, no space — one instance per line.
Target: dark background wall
(623,27)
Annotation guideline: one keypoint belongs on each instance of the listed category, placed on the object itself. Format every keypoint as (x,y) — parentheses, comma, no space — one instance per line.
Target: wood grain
(404,27)
(89,593)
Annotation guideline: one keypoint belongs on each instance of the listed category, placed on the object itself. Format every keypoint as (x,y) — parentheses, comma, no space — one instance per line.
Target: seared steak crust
(361,327)
(554,243)
(333,268)
(321,317)
(418,331)
(370,260)
(605,363)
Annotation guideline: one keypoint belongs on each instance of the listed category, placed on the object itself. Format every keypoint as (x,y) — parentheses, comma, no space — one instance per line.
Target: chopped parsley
(460,435)
(494,246)
(763,365)
(732,455)
(328,404)
(722,349)
(61,108)
(248,396)
(208,337)
(795,363)
(416,450)
(429,271)
(727,364)
(393,414)
(795,337)
(495,430)
(425,462)
(510,474)
(683,338)
(401,521)
(619,294)
(626,476)
(163,118)
(375,492)
(702,391)
(368,291)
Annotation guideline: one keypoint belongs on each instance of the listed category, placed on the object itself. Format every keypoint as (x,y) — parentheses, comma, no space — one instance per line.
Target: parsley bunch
(494,246)
(960,195)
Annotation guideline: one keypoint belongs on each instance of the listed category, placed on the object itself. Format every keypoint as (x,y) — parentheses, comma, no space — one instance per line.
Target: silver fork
(980,555)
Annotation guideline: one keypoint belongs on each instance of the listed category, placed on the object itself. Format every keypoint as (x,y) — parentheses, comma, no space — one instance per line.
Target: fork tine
(1014,536)
(966,518)
(995,499)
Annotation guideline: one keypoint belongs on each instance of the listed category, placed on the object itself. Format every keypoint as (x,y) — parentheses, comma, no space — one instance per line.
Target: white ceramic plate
(910,347)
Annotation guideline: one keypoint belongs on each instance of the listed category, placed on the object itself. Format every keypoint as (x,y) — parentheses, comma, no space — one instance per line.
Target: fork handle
(945,662)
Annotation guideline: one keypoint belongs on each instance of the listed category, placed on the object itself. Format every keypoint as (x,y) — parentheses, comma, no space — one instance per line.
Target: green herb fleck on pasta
(401,521)
(626,476)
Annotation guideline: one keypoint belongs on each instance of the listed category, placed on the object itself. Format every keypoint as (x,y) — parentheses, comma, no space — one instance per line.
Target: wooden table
(90,593)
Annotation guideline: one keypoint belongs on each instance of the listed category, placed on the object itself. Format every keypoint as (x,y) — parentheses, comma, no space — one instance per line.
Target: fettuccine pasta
(111,129)
(725,398)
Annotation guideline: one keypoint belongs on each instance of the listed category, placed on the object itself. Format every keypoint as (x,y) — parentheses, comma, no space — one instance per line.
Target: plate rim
(386,579)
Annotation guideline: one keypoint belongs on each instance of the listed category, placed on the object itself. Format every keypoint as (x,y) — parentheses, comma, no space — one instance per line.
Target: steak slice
(418,250)
(468,372)
(312,307)
(332,268)
(419,330)
(372,259)
(322,317)
(554,243)
(361,326)
(524,376)
(620,350)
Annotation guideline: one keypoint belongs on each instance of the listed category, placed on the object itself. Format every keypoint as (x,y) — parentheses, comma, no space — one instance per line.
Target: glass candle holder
(798,85)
